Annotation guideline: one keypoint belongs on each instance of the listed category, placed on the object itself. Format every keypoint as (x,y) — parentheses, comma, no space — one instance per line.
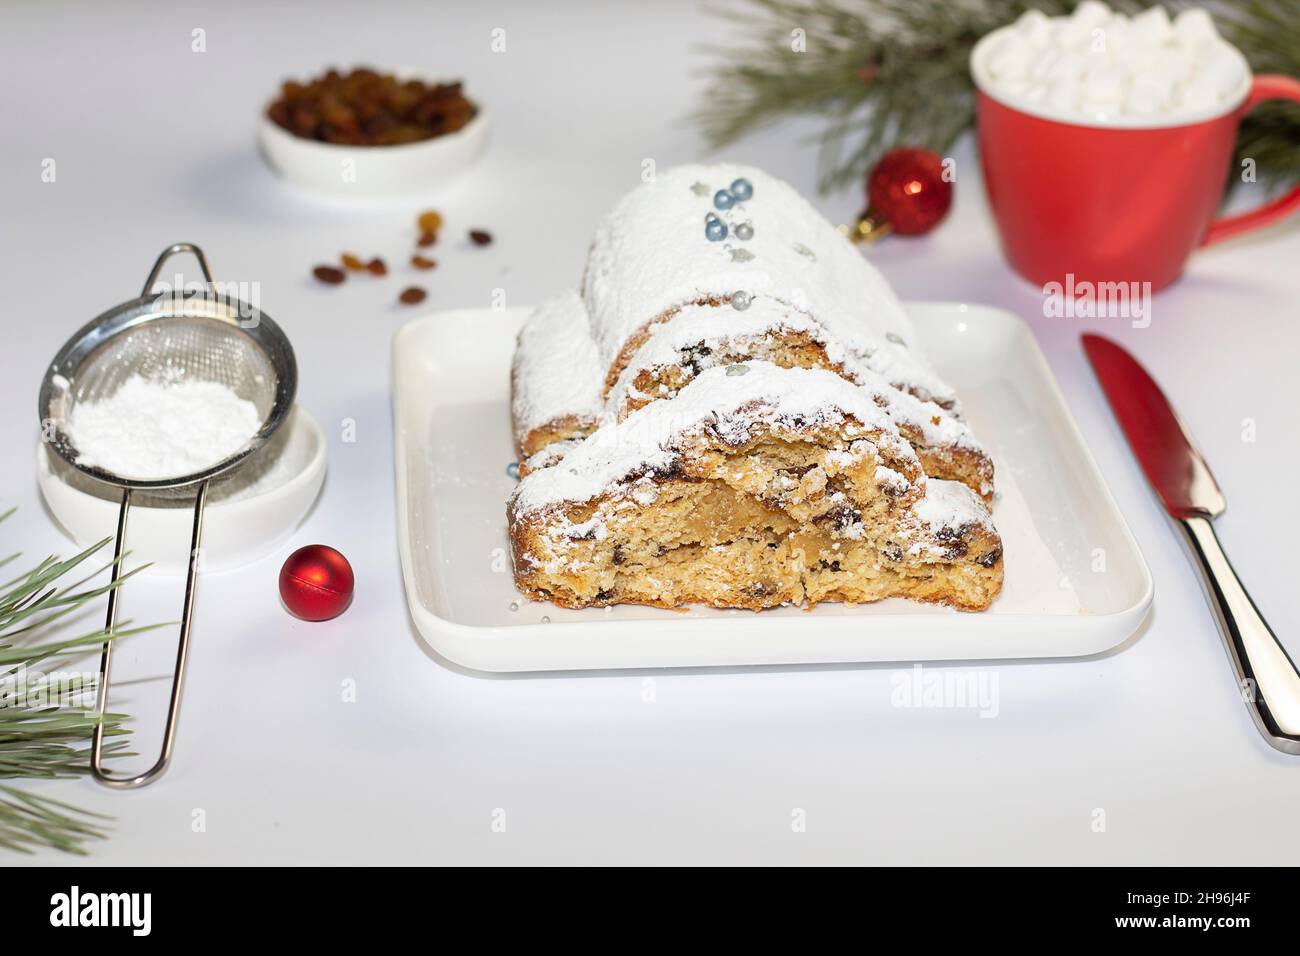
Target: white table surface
(153,144)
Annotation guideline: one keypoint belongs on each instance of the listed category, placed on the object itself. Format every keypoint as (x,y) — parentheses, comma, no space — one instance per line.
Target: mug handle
(1264,87)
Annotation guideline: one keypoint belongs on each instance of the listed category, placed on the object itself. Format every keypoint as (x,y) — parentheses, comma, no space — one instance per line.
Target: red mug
(1114,203)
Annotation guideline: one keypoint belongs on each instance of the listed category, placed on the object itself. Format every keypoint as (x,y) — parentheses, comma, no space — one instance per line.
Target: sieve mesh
(175,348)
(158,340)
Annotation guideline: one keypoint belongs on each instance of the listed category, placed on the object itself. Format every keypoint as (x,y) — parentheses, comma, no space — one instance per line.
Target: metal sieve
(196,334)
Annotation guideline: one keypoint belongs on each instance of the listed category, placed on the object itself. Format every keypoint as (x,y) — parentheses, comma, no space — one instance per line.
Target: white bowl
(369,171)
(249,513)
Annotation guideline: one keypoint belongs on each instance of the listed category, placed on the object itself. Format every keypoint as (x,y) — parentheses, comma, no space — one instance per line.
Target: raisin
(367,108)
(426,239)
(355,263)
(412,296)
(429,221)
(329,275)
(377,267)
(420,262)
(480,237)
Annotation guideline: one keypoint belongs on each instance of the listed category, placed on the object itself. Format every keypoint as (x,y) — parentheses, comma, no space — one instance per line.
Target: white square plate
(1076,583)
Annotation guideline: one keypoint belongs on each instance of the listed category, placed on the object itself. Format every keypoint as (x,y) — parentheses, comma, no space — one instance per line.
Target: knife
(1266,675)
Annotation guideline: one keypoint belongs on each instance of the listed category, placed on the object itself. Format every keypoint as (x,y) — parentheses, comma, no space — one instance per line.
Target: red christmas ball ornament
(907,194)
(316,583)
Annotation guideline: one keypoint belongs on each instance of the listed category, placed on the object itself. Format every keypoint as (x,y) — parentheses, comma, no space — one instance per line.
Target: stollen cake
(732,411)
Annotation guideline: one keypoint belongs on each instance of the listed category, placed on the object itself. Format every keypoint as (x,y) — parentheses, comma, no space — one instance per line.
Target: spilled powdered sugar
(152,429)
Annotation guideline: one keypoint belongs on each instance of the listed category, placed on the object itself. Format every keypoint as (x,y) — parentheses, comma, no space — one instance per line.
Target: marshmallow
(1198,95)
(1148,94)
(1152,25)
(1103,86)
(1068,35)
(1011,58)
(1064,94)
(1055,64)
(1090,13)
(1223,69)
(1034,26)
(1194,26)
(1104,65)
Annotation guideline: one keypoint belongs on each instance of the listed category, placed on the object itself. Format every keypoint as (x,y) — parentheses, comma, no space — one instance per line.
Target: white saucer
(249,513)
(370,171)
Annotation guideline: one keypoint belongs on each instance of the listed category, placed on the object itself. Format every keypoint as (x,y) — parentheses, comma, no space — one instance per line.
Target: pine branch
(47,720)
(886,73)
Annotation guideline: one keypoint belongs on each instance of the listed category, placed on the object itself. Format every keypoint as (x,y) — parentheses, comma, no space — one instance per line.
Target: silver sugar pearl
(745,232)
(740,301)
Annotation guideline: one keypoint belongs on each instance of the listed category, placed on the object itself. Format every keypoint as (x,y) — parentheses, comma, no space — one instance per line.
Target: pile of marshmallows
(1098,65)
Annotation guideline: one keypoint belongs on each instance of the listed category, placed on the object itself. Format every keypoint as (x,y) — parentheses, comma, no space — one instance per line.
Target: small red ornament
(907,193)
(316,583)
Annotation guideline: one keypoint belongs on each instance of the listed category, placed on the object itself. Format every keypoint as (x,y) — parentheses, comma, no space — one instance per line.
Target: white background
(154,144)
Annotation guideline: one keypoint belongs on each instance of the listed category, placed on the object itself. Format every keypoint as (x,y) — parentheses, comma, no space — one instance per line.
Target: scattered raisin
(376,267)
(355,263)
(329,275)
(480,237)
(426,239)
(422,263)
(412,296)
(429,221)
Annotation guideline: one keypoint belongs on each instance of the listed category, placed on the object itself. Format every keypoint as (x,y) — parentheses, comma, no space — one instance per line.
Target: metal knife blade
(1159,439)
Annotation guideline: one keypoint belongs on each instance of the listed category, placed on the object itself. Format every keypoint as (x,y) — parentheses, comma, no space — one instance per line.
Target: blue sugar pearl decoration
(715,230)
(741,190)
(723,199)
(744,232)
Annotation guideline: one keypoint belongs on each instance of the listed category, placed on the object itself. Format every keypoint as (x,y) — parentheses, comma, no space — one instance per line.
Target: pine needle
(47,720)
(887,73)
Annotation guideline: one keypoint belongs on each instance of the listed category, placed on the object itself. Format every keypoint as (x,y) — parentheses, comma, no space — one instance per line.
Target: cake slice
(755,486)
(700,337)
(556,382)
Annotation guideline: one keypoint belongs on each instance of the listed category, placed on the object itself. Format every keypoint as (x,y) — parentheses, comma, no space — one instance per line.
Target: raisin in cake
(620,386)
(756,486)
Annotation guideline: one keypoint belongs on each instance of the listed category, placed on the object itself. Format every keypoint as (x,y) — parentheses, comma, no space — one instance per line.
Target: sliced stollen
(700,337)
(755,486)
(557,380)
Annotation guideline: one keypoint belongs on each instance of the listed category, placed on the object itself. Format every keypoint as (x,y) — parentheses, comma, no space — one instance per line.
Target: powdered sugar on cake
(728,402)
(651,256)
(557,371)
(701,332)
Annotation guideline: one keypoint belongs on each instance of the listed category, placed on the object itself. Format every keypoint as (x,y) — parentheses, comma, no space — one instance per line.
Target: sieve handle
(172,250)
(182,650)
